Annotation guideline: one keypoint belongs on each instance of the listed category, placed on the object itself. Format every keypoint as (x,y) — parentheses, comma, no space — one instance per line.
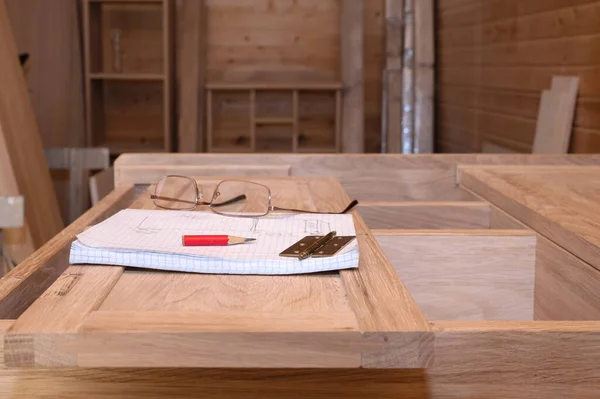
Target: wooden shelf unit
(129,74)
(282,132)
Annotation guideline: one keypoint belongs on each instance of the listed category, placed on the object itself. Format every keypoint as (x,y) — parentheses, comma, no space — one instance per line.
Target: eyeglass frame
(270,207)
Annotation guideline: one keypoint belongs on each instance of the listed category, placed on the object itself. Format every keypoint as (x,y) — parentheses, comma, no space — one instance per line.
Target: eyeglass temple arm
(228,202)
(349,207)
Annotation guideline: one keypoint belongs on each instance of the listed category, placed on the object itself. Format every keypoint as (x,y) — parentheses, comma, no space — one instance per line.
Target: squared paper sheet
(152,239)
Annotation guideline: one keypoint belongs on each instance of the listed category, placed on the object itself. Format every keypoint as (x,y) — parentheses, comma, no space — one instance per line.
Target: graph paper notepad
(152,239)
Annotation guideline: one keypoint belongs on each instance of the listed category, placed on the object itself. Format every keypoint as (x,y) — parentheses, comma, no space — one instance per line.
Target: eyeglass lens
(176,192)
(234,197)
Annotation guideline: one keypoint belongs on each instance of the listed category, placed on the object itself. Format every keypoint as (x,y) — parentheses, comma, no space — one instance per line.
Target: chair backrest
(101,184)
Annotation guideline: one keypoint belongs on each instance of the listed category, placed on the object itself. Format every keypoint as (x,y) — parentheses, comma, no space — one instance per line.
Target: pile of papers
(153,239)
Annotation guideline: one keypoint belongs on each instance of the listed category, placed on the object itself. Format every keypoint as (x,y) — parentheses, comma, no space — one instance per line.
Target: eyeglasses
(239,198)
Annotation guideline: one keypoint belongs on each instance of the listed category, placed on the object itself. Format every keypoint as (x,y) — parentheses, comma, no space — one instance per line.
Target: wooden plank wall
(288,40)
(262,39)
(495,57)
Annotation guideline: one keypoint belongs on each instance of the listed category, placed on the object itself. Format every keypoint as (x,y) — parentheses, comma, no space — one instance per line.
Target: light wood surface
(366,177)
(558,202)
(472,358)
(566,288)
(54,331)
(153,175)
(469,356)
(22,286)
(555,117)
(471,275)
(425,215)
(517,359)
(25,171)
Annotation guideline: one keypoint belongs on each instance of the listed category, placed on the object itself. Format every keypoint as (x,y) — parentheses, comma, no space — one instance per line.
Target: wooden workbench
(478,277)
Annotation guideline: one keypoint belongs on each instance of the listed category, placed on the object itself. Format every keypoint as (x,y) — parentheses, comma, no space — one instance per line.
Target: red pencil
(212,240)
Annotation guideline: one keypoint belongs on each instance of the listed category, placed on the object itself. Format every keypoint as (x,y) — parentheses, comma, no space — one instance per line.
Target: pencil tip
(250,239)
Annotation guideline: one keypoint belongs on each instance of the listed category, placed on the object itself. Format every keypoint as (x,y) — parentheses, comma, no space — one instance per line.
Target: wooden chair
(101,184)
(78,161)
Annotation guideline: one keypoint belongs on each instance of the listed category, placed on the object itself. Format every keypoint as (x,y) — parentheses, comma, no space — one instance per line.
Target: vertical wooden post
(191,84)
(394,38)
(424,76)
(353,120)
(408,80)
(338,121)
(253,120)
(167,65)
(295,116)
(209,121)
(86,73)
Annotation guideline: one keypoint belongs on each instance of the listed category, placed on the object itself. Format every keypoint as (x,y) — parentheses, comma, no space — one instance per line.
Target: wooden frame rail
(511,312)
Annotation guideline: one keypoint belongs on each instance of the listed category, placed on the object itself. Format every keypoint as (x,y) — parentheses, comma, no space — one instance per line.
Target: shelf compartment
(316,122)
(274,138)
(127,115)
(126,37)
(228,121)
(274,105)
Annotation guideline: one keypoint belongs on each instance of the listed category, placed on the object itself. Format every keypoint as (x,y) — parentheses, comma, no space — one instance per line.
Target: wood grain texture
(366,177)
(518,369)
(410,347)
(50,34)
(502,220)
(425,215)
(481,353)
(191,56)
(142,292)
(154,174)
(498,218)
(557,202)
(555,118)
(424,53)
(51,332)
(394,39)
(24,284)
(467,276)
(501,55)
(352,74)
(24,147)
(566,288)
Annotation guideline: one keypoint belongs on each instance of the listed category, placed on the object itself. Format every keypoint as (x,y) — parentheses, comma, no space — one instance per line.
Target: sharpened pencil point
(249,239)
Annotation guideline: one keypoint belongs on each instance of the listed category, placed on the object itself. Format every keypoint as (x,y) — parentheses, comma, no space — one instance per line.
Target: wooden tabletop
(560,202)
(111,316)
